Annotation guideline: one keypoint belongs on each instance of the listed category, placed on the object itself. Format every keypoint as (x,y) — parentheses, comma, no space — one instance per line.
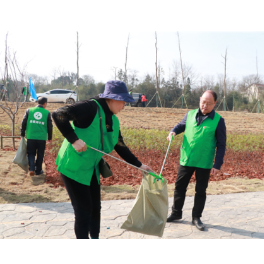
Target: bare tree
(176,74)
(61,73)
(73,75)
(13,79)
(234,85)
(182,71)
(54,73)
(224,100)
(133,79)
(77,80)
(126,60)
(114,70)
(188,72)
(88,79)
(157,78)
(258,81)
(208,83)
(257,64)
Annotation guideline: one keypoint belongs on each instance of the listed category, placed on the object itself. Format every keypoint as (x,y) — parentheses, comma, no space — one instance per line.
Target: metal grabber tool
(158,177)
(166,156)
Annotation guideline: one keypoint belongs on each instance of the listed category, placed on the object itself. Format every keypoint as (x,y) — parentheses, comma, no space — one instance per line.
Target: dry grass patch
(119,192)
(17,187)
(162,118)
(230,185)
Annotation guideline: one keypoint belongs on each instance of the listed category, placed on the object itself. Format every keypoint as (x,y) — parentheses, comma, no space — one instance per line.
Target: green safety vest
(80,166)
(25,91)
(37,127)
(199,142)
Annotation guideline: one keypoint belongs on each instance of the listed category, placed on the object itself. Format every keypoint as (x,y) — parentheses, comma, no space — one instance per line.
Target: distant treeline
(170,90)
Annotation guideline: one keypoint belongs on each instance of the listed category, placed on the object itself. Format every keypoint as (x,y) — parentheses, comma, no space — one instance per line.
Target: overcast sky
(44,35)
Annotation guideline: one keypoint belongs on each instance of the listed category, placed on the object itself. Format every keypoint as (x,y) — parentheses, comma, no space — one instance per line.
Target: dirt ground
(17,187)
(162,118)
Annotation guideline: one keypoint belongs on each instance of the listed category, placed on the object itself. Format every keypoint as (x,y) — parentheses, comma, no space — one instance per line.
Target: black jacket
(82,114)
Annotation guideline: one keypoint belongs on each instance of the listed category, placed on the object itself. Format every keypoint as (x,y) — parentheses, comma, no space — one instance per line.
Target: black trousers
(35,146)
(183,178)
(86,202)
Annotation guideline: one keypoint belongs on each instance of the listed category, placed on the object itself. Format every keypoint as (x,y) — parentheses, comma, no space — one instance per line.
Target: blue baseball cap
(116,90)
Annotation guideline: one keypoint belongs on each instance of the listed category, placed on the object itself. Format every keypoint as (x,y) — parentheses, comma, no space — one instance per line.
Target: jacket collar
(103,103)
(211,114)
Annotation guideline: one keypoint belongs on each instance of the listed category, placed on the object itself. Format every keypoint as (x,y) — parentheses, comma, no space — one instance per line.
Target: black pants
(143,104)
(183,178)
(35,146)
(86,202)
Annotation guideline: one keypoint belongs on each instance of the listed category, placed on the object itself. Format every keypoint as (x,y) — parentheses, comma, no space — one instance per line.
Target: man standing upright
(205,131)
(37,124)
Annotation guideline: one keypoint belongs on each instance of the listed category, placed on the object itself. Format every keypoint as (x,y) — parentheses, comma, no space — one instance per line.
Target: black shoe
(38,173)
(198,223)
(173,217)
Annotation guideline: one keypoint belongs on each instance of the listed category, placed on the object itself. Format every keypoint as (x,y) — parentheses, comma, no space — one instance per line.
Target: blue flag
(32,90)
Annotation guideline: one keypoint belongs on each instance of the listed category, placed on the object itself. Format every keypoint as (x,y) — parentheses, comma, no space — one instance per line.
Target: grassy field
(144,127)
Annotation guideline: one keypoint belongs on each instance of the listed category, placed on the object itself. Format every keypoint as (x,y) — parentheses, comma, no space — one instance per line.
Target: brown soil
(162,118)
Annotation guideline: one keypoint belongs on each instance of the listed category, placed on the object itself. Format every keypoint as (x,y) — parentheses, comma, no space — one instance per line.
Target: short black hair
(42,100)
(213,93)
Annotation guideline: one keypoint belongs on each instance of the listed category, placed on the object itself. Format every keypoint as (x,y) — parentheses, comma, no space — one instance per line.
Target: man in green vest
(37,125)
(205,132)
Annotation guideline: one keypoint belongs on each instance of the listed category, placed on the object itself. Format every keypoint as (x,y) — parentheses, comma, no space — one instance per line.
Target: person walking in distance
(205,132)
(25,92)
(143,100)
(37,125)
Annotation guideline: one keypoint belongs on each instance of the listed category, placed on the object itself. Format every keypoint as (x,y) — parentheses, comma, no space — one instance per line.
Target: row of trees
(170,88)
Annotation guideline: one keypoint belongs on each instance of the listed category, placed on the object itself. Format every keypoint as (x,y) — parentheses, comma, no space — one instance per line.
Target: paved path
(225,216)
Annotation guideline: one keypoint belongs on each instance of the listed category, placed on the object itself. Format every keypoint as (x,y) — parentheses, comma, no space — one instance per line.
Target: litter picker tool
(158,177)
(166,155)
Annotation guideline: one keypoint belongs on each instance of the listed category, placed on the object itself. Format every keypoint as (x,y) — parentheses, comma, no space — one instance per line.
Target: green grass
(145,139)
(7,130)
(249,142)
(156,139)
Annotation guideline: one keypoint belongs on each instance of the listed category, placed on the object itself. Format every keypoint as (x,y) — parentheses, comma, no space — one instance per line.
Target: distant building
(254,91)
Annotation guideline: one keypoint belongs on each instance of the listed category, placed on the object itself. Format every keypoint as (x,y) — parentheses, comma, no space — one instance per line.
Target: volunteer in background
(78,165)
(25,92)
(143,100)
(205,131)
(131,94)
(37,125)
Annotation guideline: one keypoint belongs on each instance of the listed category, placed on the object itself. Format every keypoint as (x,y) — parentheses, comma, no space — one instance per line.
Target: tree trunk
(13,131)
(157,79)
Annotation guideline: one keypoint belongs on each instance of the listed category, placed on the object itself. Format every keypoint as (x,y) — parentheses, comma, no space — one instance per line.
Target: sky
(45,38)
